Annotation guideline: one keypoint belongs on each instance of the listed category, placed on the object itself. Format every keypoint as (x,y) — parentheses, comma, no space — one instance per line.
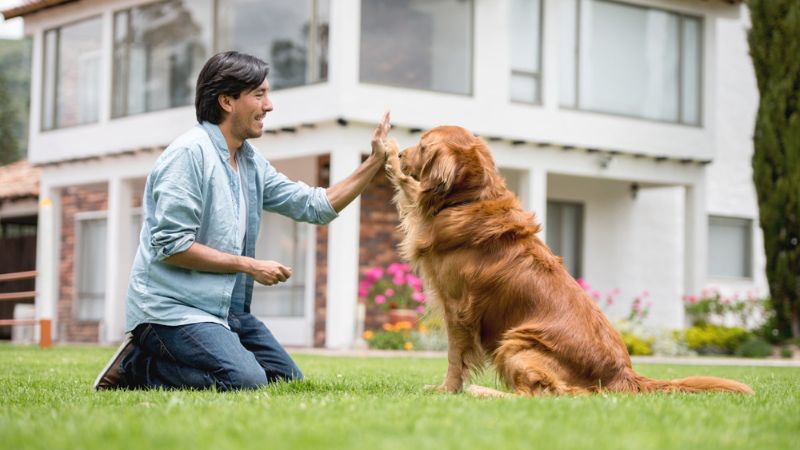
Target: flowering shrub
(639,308)
(398,336)
(711,307)
(394,287)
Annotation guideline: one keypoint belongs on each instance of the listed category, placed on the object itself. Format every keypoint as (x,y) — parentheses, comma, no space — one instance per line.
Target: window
(159,49)
(630,60)
(291,36)
(565,234)
(526,19)
(285,241)
(418,44)
(729,247)
(90,277)
(71,74)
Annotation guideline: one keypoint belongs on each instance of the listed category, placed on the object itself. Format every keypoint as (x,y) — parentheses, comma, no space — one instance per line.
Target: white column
(119,257)
(343,234)
(47,255)
(106,69)
(695,238)
(535,195)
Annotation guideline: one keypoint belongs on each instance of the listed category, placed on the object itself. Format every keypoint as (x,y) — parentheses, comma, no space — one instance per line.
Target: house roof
(32,6)
(19,180)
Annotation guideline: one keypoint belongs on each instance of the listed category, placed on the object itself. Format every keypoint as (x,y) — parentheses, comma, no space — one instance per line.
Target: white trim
(343,238)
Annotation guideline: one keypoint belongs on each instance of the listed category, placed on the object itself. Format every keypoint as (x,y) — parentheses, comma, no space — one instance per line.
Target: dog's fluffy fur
(504,294)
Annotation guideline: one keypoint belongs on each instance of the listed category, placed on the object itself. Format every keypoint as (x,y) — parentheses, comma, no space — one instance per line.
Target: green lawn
(374,403)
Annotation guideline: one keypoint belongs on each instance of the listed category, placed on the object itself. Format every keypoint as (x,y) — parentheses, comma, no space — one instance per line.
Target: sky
(11,29)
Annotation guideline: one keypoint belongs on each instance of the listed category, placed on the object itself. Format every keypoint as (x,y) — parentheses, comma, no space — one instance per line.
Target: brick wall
(74,200)
(379,237)
(321,270)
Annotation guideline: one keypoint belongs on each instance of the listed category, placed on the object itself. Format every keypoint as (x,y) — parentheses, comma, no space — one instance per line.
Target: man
(188,303)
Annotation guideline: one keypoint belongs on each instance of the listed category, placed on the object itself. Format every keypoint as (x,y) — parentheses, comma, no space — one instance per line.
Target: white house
(624,124)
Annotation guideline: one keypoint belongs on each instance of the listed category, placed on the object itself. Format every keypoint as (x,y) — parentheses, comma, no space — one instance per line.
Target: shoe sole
(128,340)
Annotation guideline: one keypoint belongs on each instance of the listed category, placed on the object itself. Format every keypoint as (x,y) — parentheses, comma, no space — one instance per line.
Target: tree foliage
(775,50)
(15,73)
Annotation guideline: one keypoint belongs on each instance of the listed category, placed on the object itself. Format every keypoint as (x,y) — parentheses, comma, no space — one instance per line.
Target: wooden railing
(45,325)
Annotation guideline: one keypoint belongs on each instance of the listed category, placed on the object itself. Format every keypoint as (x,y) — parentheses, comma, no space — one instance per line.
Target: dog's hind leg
(528,371)
(485,392)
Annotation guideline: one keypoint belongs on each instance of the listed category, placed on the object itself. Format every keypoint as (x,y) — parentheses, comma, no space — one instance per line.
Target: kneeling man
(188,303)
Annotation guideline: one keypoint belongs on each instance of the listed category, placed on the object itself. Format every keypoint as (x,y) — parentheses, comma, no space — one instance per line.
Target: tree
(15,70)
(9,146)
(775,49)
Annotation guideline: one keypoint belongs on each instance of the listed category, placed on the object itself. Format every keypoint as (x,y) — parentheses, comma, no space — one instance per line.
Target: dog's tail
(691,384)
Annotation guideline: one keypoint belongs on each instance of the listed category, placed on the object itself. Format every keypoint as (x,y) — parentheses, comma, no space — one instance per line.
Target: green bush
(754,347)
(787,351)
(636,345)
(713,339)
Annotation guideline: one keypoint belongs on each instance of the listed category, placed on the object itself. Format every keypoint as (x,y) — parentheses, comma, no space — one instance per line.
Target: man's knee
(289,373)
(250,377)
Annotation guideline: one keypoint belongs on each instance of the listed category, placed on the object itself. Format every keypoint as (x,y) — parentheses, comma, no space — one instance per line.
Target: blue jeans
(205,355)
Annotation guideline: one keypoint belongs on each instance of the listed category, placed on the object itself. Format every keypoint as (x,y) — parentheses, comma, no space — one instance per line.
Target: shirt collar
(219,141)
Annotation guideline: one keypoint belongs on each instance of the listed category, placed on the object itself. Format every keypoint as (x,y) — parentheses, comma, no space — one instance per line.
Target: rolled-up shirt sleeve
(296,199)
(178,197)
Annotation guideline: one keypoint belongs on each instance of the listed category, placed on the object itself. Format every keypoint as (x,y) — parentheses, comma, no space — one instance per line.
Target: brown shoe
(110,377)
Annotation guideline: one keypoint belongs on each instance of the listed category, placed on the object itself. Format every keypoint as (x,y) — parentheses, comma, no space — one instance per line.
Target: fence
(45,325)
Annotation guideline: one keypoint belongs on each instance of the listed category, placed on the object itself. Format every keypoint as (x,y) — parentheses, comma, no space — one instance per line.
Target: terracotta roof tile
(19,180)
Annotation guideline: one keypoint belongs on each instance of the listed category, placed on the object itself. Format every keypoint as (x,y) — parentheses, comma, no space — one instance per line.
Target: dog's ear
(438,174)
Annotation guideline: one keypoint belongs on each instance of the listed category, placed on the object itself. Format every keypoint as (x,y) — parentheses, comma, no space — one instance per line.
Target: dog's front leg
(458,343)
(407,188)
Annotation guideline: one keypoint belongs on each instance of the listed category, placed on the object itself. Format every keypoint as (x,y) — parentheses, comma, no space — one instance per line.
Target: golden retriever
(504,294)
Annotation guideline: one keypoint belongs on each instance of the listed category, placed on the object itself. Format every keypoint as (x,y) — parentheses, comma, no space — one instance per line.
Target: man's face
(249,110)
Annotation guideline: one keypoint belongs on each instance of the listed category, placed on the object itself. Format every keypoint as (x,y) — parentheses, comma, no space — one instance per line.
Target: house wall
(633,244)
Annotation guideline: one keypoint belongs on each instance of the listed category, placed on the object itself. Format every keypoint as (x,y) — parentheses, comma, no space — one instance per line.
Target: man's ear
(437,177)
(225,102)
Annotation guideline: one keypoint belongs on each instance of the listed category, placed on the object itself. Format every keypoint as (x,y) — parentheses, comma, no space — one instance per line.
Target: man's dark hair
(226,73)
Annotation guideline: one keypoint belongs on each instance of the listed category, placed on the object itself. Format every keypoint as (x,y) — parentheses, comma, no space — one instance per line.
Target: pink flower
(379,299)
(609,301)
(583,284)
(420,309)
(374,273)
(398,279)
(388,292)
(596,294)
(418,296)
(363,291)
(645,293)
(394,268)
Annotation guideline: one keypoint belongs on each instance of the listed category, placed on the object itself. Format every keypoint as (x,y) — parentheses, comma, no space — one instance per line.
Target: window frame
(700,75)
(57,63)
(581,238)
(471,92)
(78,219)
(536,75)
(311,53)
(748,225)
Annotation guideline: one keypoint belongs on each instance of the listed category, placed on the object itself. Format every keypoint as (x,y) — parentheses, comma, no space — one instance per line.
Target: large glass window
(419,44)
(285,241)
(526,78)
(90,277)
(729,247)
(564,231)
(71,74)
(291,36)
(630,60)
(159,49)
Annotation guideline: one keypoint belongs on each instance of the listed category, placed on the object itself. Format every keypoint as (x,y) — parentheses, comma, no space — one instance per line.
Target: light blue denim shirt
(192,195)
